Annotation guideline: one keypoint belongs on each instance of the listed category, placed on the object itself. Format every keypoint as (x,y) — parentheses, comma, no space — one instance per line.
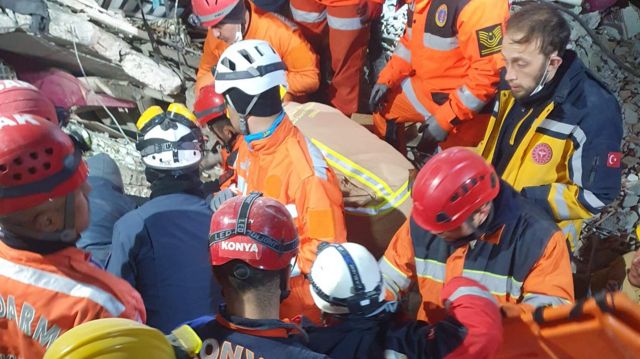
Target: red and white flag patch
(614,159)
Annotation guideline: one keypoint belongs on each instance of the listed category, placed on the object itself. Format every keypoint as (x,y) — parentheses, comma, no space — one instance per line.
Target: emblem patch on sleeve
(489,40)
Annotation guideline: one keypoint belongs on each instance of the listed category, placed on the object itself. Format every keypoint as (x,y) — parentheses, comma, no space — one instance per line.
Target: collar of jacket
(268,328)
(270,143)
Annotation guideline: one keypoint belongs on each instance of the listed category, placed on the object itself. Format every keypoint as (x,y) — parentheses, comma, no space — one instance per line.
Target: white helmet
(170,141)
(252,66)
(345,279)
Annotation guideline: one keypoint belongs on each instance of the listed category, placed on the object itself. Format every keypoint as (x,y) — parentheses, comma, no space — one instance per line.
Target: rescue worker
(346,285)
(230,21)
(210,111)
(556,130)
(161,247)
(21,97)
(442,73)
(108,204)
(276,159)
(465,221)
(47,285)
(253,242)
(347,24)
(373,177)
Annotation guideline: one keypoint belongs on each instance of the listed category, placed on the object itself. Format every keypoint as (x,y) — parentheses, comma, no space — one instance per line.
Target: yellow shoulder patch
(489,40)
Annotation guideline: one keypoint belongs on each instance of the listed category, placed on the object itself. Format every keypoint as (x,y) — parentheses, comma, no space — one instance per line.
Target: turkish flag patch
(613,159)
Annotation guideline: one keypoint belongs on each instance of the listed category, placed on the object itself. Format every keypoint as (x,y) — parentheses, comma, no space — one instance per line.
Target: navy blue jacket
(386,337)
(108,204)
(264,339)
(162,249)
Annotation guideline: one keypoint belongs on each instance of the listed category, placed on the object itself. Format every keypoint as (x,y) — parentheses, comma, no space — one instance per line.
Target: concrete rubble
(118,59)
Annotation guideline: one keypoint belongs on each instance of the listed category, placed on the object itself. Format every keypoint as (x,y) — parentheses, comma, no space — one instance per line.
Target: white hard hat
(252,66)
(170,142)
(345,279)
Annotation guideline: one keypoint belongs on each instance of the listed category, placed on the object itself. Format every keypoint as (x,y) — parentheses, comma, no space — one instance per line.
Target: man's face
(226,32)
(525,65)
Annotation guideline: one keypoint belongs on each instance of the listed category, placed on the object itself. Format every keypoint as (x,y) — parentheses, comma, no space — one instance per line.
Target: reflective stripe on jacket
(568,160)
(522,258)
(42,296)
(450,57)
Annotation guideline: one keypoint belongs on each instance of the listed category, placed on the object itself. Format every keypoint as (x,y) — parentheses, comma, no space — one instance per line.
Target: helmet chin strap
(244,125)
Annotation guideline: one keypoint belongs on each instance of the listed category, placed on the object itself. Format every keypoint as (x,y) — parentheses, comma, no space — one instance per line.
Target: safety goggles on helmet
(169,140)
(154,116)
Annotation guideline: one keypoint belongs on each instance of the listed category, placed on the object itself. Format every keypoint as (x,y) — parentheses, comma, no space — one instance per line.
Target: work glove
(377,94)
(221,197)
(432,135)
(471,304)
(369,10)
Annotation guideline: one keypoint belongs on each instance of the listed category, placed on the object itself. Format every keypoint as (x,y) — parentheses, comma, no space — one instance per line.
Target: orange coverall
(348,38)
(288,167)
(446,66)
(303,75)
(42,296)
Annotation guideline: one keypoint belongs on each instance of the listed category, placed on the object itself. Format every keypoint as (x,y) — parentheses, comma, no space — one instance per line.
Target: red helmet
(256,230)
(450,187)
(22,97)
(207,13)
(37,162)
(209,105)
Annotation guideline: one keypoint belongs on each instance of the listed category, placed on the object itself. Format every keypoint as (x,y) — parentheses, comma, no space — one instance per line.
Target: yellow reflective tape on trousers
(362,175)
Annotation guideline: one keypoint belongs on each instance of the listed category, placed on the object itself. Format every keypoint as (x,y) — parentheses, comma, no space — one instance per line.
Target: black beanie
(268,103)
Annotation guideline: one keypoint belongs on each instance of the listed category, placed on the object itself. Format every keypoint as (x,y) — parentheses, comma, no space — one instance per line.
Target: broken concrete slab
(70,29)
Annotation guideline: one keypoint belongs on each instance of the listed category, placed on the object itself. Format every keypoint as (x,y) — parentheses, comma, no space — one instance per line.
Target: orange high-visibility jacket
(288,167)
(521,258)
(42,296)
(303,74)
(450,57)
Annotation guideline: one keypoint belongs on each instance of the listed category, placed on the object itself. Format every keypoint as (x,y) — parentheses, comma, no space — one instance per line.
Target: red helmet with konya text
(208,106)
(256,230)
(450,187)
(37,162)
